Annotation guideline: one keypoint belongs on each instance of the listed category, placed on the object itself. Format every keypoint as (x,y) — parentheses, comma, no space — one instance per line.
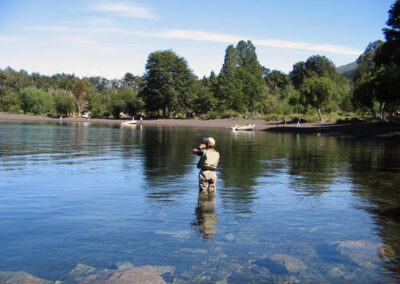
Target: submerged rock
(230,237)
(20,277)
(139,275)
(165,269)
(336,272)
(359,251)
(330,253)
(272,266)
(82,269)
(123,265)
(291,263)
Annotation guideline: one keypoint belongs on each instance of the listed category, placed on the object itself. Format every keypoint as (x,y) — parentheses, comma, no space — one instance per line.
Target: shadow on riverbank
(364,130)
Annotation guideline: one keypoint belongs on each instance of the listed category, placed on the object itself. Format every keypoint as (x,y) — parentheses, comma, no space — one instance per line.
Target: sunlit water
(288,207)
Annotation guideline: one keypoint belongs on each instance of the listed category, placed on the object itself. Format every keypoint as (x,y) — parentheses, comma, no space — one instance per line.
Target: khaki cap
(210,141)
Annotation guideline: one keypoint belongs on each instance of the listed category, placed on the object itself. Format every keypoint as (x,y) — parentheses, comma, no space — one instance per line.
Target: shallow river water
(289,208)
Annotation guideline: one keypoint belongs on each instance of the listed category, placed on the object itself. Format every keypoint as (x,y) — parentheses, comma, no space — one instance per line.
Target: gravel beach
(351,130)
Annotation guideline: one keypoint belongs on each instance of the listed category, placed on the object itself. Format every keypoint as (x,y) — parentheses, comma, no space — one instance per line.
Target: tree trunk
(320,114)
(381,116)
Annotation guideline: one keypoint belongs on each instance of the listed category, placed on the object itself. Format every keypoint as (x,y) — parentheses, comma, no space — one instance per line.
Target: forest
(313,89)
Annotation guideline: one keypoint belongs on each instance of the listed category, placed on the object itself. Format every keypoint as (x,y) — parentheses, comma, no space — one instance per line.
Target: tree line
(243,87)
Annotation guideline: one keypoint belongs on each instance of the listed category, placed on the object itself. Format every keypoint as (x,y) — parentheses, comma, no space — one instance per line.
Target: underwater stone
(139,275)
(336,272)
(230,237)
(123,265)
(81,269)
(359,251)
(164,269)
(291,263)
(272,266)
(21,277)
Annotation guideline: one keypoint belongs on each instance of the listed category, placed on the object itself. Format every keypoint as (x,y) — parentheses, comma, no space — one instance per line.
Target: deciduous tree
(168,83)
(316,92)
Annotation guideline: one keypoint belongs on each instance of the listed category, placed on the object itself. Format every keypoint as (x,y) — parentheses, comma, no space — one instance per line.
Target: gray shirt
(209,160)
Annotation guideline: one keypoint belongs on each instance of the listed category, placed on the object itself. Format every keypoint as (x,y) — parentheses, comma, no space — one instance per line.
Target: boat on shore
(244,127)
(130,122)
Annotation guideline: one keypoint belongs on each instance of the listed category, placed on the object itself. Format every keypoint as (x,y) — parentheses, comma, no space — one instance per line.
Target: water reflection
(323,207)
(376,173)
(167,158)
(206,217)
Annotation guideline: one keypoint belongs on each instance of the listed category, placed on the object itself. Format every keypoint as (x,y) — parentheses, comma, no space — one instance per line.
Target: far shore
(362,130)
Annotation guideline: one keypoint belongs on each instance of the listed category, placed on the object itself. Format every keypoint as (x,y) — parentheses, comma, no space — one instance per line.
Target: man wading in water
(207,165)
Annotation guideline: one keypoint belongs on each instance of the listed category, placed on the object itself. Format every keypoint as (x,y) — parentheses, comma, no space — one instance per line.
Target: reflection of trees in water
(376,171)
(243,162)
(313,163)
(167,158)
(130,141)
(206,217)
(240,166)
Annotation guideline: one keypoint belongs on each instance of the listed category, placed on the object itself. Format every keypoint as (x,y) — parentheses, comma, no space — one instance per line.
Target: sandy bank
(354,130)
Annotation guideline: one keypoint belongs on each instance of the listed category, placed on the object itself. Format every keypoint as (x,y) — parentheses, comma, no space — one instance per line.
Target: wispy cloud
(228,38)
(106,28)
(45,28)
(125,10)
(7,39)
(80,41)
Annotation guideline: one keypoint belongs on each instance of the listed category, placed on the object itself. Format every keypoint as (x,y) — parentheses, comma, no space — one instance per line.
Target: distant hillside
(347,70)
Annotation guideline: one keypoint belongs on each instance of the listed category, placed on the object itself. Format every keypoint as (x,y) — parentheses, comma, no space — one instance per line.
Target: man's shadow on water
(206,217)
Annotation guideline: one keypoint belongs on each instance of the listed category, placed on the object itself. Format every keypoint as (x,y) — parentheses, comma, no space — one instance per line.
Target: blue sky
(109,38)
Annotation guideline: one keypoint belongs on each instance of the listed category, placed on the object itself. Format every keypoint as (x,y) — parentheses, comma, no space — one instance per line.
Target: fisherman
(207,165)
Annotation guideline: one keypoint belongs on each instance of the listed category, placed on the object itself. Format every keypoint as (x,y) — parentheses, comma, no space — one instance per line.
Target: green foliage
(348,120)
(97,103)
(117,104)
(169,84)
(240,83)
(230,114)
(365,77)
(133,104)
(315,66)
(278,84)
(8,99)
(317,92)
(64,102)
(204,100)
(36,101)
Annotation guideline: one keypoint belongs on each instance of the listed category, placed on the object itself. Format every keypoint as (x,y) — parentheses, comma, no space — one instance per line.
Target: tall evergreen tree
(364,78)
(241,83)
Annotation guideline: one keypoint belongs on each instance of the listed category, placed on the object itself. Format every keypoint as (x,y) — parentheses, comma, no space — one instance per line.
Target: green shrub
(213,115)
(36,101)
(64,103)
(230,114)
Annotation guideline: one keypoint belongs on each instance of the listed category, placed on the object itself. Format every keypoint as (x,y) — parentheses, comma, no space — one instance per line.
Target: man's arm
(201,162)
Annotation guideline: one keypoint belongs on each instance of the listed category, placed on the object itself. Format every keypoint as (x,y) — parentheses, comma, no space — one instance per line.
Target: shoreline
(362,130)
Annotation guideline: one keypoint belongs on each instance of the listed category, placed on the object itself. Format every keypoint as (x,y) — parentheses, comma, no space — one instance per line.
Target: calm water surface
(288,207)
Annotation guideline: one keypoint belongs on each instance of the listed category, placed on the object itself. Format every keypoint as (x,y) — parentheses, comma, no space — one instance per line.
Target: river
(288,207)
